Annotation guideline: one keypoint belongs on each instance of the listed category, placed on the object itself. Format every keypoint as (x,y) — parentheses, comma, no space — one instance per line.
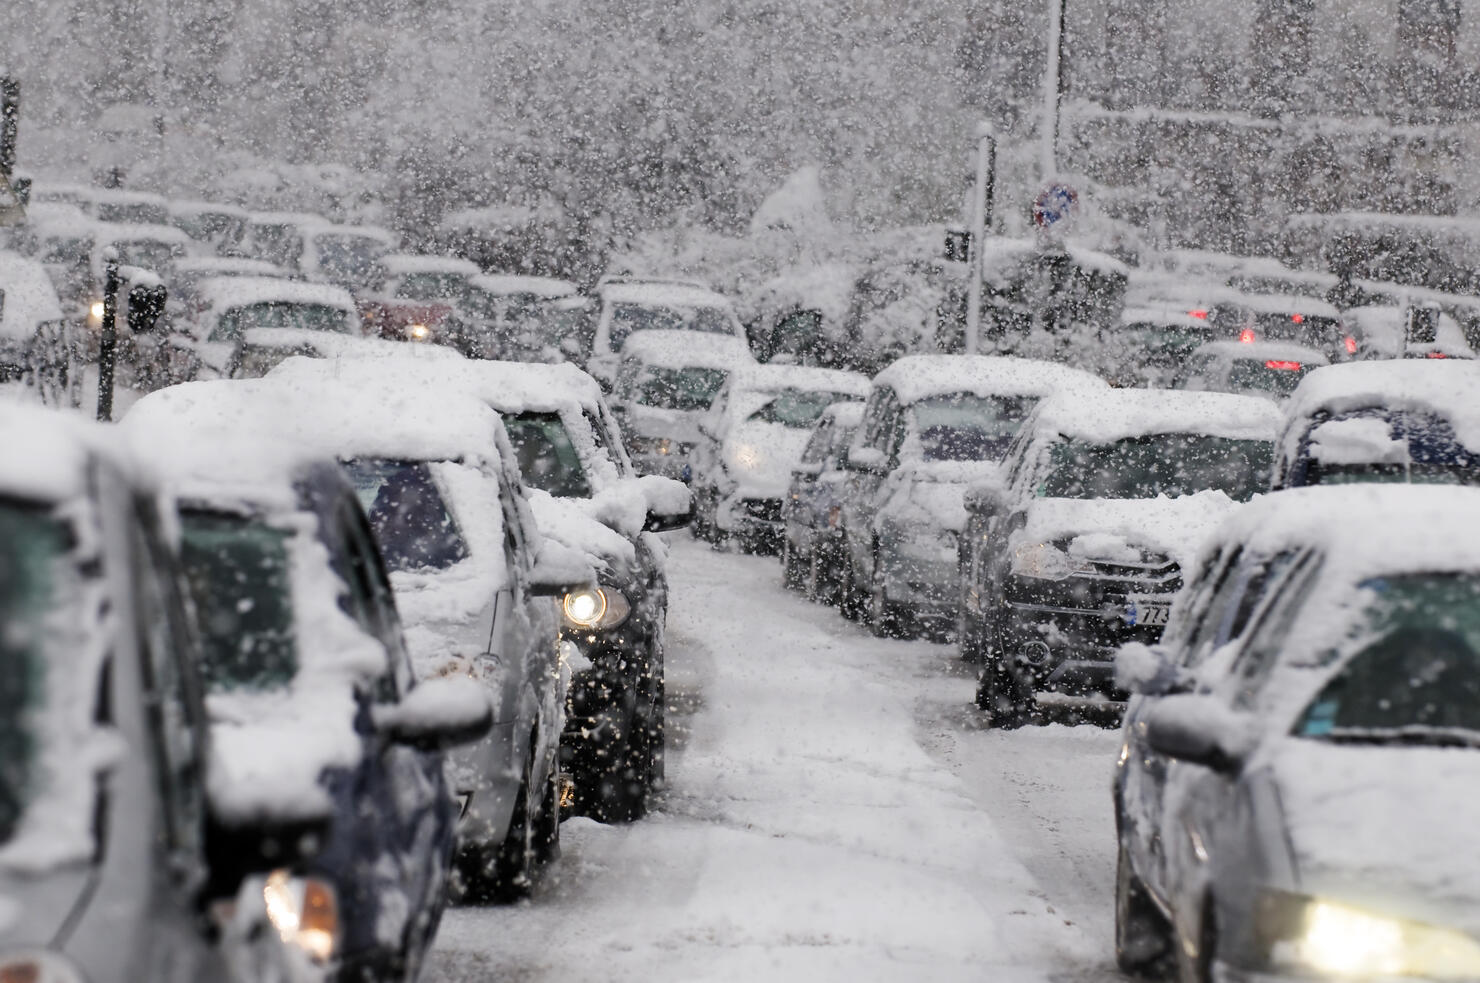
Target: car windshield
(627,318)
(965,427)
(798,409)
(412,522)
(1273,377)
(1415,676)
(547,458)
(349,260)
(131,213)
(1163,346)
(238,571)
(679,389)
(433,287)
(211,226)
(1378,447)
(34,605)
(158,257)
(1173,465)
(232,323)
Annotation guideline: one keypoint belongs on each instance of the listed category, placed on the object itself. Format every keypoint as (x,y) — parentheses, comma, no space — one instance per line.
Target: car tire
(793,573)
(1000,694)
(505,874)
(547,830)
(1142,936)
(622,790)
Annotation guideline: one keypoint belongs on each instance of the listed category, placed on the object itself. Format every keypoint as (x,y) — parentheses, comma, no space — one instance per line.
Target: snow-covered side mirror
(438,714)
(670,504)
(867,460)
(1148,670)
(559,571)
(985,498)
(1201,730)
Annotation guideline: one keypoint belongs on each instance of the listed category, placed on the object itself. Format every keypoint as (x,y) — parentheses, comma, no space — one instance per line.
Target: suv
(1079,546)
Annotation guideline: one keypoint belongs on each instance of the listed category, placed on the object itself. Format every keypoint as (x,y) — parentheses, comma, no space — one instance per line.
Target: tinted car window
(1272,376)
(547,458)
(679,389)
(413,525)
(964,427)
(627,318)
(432,286)
(1161,464)
(237,569)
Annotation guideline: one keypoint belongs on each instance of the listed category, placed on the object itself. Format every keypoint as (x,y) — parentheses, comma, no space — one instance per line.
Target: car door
(799,508)
(880,419)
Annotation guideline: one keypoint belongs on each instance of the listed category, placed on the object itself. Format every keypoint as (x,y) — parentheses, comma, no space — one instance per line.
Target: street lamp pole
(981,221)
(1053,87)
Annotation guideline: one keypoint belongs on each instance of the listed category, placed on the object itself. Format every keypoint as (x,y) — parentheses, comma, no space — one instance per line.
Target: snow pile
(570,523)
(27,297)
(1363,440)
(1175,527)
(798,206)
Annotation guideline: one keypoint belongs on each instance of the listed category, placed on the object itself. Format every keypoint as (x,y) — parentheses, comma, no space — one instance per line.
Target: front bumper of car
(757,518)
(920,568)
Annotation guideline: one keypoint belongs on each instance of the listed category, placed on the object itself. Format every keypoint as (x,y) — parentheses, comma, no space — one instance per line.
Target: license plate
(1152,611)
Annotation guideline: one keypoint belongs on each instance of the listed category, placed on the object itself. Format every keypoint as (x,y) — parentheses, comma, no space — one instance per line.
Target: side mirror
(1148,670)
(559,571)
(668,521)
(670,504)
(437,714)
(986,498)
(807,469)
(1201,730)
(867,460)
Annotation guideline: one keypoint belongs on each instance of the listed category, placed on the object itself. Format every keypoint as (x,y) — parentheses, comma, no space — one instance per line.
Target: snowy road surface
(834,811)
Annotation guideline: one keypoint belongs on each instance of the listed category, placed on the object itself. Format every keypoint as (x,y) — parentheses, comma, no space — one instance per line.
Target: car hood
(1390,828)
(651,421)
(760,457)
(447,612)
(1117,529)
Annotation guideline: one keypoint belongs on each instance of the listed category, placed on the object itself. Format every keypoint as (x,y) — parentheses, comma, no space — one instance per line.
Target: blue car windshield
(413,525)
(1419,448)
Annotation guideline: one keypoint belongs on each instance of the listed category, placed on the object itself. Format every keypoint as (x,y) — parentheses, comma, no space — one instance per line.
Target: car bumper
(755,518)
(931,586)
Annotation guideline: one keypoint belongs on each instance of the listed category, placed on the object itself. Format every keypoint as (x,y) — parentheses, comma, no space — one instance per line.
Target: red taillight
(1200,315)
(1351,344)
(1298,318)
(1436,355)
(1282,366)
(1246,336)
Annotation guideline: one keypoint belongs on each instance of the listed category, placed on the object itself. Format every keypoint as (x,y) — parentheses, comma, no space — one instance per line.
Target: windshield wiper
(1416,735)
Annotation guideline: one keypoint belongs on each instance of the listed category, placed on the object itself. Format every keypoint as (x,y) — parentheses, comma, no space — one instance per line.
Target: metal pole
(108,343)
(981,221)
(1053,87)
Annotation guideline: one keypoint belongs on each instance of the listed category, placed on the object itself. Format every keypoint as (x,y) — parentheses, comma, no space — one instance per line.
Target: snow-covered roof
(131,232)
(46,452)
(1382,329)
(237,291)
(191,208)
(826,288)
(682,349)
(205,266)
(1449,388)
(27,297)
(1283,351)
(1117,414)
(503,284)
(773,378)
(660,293)
(917,377)
(404,264)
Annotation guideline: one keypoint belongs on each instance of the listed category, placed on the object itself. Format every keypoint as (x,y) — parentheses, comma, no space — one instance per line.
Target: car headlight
(305,912)
(418,332)
(596,608)
(1336,939)
(662,446)
(747,456)
(96,310)
(38,966)
(1044,561)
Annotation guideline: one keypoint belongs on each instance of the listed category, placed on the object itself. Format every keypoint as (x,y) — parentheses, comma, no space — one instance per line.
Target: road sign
(1055,204)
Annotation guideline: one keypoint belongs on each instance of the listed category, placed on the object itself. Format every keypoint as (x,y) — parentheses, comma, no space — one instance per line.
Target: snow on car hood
(653,421)
(933,493)
(1385,827)
(760,457)
(445,611)
(1109,528)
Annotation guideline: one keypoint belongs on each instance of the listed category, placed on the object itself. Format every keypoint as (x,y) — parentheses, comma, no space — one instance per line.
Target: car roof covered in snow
(774,378)
(27,297)
(138,232)
(1442,387)
(404,264)
(683,349)
(184,208)
(47,452)
(917,377)
(225,292)
(1118,414)
(1162,315)
(206,266)
(322,226)
(661,293)
(1278,304)
(504,284)
(1383,329)
(1283,351)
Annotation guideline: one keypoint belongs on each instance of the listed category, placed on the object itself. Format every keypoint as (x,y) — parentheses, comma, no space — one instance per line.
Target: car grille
(764,509)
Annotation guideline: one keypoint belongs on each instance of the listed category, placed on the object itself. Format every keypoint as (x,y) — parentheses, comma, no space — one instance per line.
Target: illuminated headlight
(305,912)
(596,608)
(96,310)
(38,966)
(1335,939)
(662,446)
(1044,561)
(418,332)
(747,456)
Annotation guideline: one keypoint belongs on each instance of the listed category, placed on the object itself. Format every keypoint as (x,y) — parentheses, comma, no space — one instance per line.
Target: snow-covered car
(1299,320)
(1079,545)
(106,838)
(585,495)
(35,337)
(216,227)
(812,544)
(60,236)
(750,439)
(312,699)
(418,298)
(1151,344)
(1383,332)
(128,207)
(1256,368)
(190,272)
(519,319)
(1311,817)
(150,247)
(665,385)
(933,425)
(347,256)
(474,580)
(630,306)
(1395,420)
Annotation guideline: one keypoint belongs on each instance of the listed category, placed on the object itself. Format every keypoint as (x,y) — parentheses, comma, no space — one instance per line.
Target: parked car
(934,423)
(520,319)
(418,299)
(36,339)
(106,828)
(192,271)
(1398,420)
(812,548)
(1256,368)
(313,701)
(346,256)
(584,494)
(630,306)
(1383,332)
(151,247)
(1301,810)
(665,384)
(1080,544)
(61,237)
(1305,321)
(1151,344)
(473,578)
(217,227)
(128,207)
(752,436)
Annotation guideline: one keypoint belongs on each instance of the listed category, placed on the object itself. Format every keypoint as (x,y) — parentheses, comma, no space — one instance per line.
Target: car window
(678,389)
(232,323)
(547,457)
(373,600)
(629,318)
(875,416)
(448,287)
(966,427)
(413,524)
(797,409)
(1173,465)
(1258,657)
(1234,602)
(819,443)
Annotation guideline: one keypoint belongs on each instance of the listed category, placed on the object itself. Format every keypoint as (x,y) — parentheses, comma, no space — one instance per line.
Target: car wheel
(1000,694)
(793,574)
(622,789)
(1142,935)
(547,832)
(507,874)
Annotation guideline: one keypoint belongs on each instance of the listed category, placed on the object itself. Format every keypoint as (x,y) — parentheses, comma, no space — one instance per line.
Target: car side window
(373,601)
(874,417)
(817,447)
(1271,626)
